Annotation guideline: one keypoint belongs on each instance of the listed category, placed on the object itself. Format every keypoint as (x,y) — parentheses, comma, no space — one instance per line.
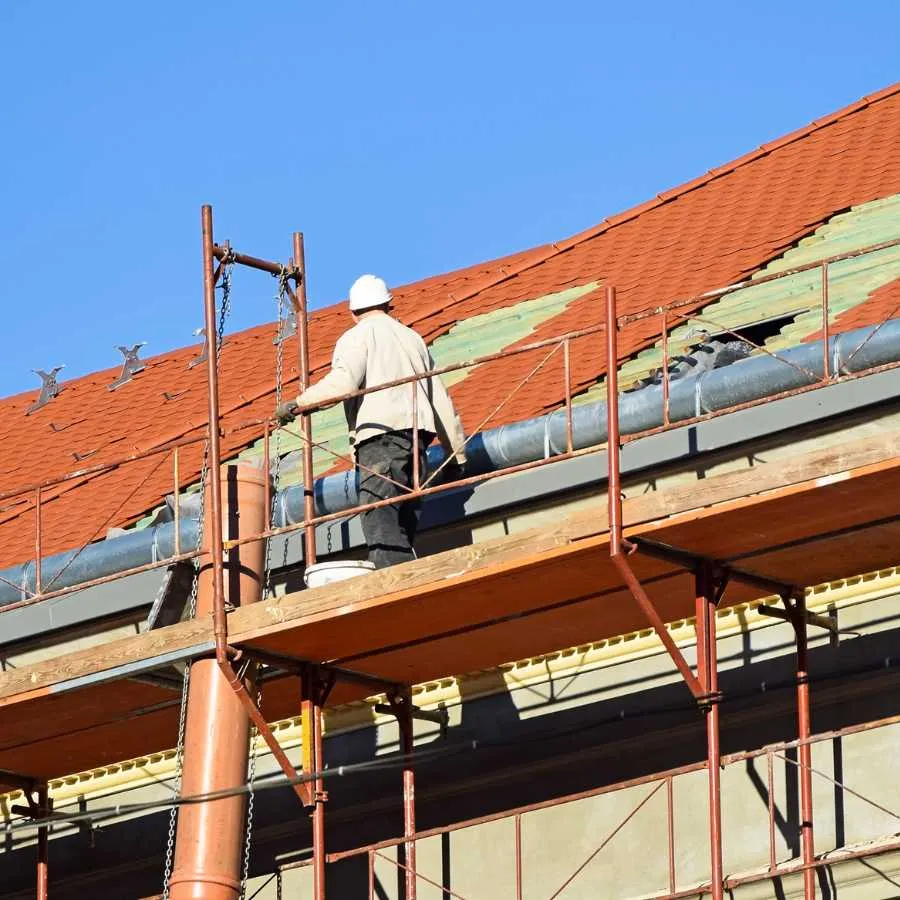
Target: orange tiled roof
(883,303)
(709,232)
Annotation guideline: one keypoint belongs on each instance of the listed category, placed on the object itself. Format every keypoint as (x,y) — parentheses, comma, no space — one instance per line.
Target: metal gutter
(508,445)
(713,390)
(563,479)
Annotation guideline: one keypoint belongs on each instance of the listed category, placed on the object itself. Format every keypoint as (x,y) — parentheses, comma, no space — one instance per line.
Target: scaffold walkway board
(805,520)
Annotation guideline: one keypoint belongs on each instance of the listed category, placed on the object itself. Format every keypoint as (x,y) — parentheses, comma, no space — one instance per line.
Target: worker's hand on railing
(286,412)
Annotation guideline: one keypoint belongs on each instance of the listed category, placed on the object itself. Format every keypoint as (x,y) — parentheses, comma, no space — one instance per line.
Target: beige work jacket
(378,350)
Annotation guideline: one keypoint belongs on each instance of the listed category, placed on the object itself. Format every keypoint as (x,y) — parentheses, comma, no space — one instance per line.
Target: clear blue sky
(405,138)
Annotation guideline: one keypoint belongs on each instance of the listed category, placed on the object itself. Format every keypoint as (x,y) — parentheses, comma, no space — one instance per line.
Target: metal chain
(176,783)
(251,760)
(182,718)
(267,587)
(275,468)
(225,309)
(192,608)
(251,777)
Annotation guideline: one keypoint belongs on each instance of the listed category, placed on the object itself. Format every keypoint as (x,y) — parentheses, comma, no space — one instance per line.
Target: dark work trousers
(390,530)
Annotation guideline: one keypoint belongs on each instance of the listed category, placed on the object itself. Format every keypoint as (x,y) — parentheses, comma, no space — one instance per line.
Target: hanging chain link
(225,309)
(192,604)
(251,778)
(275,470)
(275,464)
(182,718)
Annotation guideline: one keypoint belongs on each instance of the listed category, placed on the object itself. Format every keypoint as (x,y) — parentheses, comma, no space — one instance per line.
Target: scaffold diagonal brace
(656,622)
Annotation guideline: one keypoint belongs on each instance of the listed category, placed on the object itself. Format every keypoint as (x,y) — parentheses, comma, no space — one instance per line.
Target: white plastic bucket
(327,572)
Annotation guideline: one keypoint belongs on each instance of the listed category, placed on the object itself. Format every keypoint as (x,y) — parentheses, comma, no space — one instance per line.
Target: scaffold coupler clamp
(709,700)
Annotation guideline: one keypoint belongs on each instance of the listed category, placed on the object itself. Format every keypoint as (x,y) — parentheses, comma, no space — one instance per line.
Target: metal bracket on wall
(394,708)
(33,810)
(829,623)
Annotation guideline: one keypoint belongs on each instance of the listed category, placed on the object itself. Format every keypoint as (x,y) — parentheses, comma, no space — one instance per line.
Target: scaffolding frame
(317,679)
(657,781)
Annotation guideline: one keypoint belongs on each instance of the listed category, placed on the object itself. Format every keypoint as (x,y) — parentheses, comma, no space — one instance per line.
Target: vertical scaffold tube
(804,752)
(319,813)
(214,492)
(614,487)
(43,849)
(309,534)
(312,757)
(708,671)
(209,840)
(409,795)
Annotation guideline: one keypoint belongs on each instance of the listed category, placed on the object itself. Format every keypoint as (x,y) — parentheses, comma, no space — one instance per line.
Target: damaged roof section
(787,311)
(468,339)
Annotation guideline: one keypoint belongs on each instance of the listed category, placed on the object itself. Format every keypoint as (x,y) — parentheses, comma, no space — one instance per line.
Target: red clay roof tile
(883,303)
(712,231)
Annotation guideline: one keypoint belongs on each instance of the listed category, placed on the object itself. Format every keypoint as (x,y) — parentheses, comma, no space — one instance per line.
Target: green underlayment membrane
(797,298)
(850,282)
(471,338)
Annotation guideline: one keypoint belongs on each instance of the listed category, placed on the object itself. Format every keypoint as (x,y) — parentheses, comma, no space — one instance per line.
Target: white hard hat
(367,292)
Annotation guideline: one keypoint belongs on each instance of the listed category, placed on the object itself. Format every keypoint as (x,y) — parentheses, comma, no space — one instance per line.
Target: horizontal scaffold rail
(481,605)
(34,495)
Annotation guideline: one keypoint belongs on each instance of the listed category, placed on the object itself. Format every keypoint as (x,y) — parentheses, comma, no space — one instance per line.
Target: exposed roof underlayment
(851,283)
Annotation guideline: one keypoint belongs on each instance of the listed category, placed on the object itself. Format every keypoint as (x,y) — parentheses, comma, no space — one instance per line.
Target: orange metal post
(312,701)
(614,490)
(213,499)
(209,842)
(403,705)
(319,808)
(708,670)
(43,804)
(301,312)
(804,751)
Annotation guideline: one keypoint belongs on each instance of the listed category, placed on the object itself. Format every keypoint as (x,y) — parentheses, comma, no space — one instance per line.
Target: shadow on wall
(485,707)
(571,739)
(443,523)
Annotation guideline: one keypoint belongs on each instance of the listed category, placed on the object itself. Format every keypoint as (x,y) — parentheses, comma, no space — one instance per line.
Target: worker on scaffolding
(379,349)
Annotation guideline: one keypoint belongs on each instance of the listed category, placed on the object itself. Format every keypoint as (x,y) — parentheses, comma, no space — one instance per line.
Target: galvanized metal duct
(73,567)
(711,391)
(499,448)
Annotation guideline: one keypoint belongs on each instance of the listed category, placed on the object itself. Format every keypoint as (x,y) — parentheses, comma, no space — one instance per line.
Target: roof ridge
(533,257)
(729,167)
(555,248)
